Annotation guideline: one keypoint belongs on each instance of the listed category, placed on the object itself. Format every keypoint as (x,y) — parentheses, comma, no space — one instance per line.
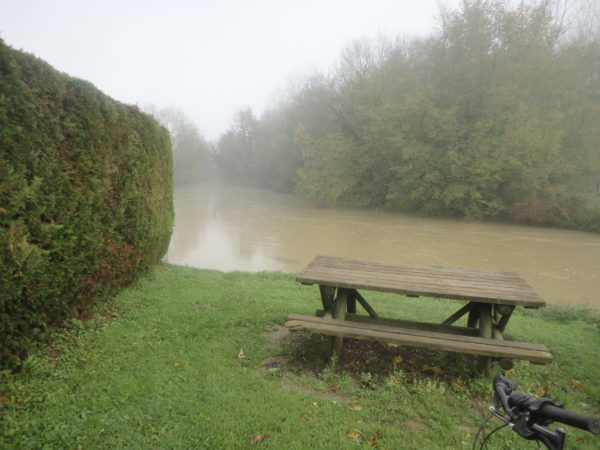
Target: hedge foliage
(85,197)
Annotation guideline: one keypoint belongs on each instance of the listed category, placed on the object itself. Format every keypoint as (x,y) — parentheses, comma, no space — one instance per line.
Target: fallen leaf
(437,370)
(459,383)
(258,438)
(542,391)
(576,383)
(334,386)
(372,442)
(398,359)
(356,408)
(240,354)
(177,364)
(353,434)
(432,369)
(352,365)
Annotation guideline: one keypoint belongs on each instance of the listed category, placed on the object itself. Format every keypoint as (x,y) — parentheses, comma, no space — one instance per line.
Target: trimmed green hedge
(85,197)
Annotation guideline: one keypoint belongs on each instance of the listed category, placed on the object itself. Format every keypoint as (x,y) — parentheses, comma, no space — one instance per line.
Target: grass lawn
(158,368)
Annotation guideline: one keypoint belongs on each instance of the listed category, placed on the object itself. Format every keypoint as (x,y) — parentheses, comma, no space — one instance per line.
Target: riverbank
(161,366)
(229,228)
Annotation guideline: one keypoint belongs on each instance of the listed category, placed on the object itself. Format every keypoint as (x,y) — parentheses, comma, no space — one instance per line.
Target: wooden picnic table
(491,298)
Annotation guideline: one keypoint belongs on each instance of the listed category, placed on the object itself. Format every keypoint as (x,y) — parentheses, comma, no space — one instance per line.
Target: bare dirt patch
(466,428)
(202,307)
(292,381)
(305,353)
(278,337)
(417,425)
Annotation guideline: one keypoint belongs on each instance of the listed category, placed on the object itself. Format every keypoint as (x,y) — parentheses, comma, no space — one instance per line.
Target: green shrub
(85,197)
(578,212)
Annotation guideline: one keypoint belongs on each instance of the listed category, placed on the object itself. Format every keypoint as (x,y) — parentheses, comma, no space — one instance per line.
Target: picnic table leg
(505,363)
(468,308)
(502,314)
(327,296)
(473,318)
(485,330)
(504,311)
(364,304)
(339,312)
(352,301)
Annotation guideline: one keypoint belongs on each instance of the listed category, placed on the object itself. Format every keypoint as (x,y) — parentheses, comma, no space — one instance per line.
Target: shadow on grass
(368,363)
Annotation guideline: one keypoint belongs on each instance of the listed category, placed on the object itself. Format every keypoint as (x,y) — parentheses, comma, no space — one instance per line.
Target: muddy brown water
(235,228)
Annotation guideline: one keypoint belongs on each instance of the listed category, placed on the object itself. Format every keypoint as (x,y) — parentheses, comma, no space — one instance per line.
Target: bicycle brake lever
(503,387)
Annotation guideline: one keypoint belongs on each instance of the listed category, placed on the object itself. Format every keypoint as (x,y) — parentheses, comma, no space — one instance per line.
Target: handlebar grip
(567,417)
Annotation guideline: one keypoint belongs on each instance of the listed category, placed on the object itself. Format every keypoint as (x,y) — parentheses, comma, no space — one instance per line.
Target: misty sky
(209,58)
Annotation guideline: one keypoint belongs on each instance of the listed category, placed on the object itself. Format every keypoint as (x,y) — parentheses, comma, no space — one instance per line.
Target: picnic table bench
(491,298)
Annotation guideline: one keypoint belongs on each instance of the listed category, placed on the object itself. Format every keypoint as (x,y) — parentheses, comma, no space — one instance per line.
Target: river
(236,228)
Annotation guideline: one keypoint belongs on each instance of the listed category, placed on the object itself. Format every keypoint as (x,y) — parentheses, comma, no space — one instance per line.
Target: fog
(515,136)
(206,58)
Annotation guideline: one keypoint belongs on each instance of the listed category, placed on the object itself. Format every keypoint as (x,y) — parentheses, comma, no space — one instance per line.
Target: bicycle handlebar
(503,387)
(556,414)
(542,409)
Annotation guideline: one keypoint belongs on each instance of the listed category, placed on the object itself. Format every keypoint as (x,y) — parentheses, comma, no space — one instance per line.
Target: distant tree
(235,151)
(191,158)
(495,115)
(277,154)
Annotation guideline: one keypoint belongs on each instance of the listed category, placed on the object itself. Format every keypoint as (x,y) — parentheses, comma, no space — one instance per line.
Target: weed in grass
(566,313)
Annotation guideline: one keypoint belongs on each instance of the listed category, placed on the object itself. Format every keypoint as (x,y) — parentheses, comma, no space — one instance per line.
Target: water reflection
(234,228)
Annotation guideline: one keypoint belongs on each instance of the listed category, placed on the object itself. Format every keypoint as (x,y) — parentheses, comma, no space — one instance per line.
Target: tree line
(495,115)
(191,151)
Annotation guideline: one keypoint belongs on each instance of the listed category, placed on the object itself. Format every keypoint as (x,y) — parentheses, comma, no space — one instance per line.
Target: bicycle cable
(486,419)
(498,428)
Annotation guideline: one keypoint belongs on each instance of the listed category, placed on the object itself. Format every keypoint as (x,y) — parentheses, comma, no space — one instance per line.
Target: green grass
(163,373)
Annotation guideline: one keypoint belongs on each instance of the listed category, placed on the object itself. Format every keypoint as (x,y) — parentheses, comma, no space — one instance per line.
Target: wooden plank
(416,332)
(399,323)
(329,264)
(490,349)
(514,287)
(425,326)
(434,281)
(405,281)
(377,269)
(421,275)
(442,290)
(333,261)
(438,292)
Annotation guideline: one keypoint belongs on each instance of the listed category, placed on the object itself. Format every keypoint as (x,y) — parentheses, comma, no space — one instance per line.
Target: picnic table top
(432,281)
